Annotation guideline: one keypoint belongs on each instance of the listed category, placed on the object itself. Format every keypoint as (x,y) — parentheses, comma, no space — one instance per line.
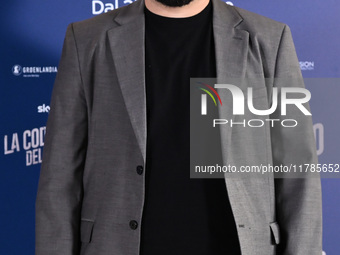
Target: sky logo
(43,108)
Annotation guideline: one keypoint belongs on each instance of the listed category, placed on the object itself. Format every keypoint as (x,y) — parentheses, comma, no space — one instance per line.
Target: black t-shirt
(181,216)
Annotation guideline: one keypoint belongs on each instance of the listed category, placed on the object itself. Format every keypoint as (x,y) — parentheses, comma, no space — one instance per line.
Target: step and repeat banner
(32,33)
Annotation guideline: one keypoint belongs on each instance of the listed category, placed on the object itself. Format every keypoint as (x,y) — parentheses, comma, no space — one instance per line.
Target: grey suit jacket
(89,190)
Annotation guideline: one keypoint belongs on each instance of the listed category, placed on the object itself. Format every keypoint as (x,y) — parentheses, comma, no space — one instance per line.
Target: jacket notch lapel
(127,48)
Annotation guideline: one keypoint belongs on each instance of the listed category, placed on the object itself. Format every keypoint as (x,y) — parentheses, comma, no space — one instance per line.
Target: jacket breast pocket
(86,230)
(275,232)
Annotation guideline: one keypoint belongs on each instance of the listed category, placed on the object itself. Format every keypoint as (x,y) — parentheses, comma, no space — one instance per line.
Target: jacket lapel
(127,47)
(231,48)
(231,43)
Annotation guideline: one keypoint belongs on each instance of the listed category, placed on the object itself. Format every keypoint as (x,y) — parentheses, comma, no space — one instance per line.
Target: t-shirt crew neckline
(172,20)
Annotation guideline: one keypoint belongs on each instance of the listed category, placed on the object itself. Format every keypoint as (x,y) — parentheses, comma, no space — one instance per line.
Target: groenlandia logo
(17,70)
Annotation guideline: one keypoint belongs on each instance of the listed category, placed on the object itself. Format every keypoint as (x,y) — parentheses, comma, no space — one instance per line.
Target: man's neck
(191,9)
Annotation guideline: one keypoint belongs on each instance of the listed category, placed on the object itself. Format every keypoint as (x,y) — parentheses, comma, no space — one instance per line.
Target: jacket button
(133,224)
(140,170)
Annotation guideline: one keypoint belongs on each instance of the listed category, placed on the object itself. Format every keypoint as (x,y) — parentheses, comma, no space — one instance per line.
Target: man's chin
(174,3)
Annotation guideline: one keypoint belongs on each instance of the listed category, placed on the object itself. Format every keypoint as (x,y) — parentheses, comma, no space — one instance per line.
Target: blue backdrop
(30,47)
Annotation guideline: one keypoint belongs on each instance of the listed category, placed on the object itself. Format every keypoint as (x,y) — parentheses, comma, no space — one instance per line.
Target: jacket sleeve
(298,200)
(60,193)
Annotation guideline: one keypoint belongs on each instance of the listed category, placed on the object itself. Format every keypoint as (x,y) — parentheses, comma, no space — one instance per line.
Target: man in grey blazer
(92,186)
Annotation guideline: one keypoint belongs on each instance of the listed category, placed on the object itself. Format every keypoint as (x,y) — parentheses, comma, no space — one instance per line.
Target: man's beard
(174,3)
